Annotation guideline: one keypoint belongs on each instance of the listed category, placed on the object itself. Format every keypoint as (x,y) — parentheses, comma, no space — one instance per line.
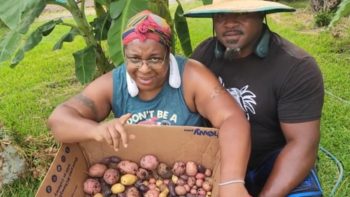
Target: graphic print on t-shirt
(153,117)
(244,97)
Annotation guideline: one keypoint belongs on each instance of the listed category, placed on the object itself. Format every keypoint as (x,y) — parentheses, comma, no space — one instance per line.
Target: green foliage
(109,23)
(182,30)
(34,39)
(118,25)
(323,18)
(85,63)
(342,11)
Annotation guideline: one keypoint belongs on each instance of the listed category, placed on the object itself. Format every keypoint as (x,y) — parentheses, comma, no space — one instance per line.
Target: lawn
(45,78)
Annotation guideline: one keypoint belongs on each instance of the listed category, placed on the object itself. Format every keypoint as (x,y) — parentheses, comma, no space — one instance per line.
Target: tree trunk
(324,5)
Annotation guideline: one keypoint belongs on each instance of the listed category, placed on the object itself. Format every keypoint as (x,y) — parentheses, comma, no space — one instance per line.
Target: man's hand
(113,132)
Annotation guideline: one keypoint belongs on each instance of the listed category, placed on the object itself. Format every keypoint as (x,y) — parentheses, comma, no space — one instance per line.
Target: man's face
(238,32)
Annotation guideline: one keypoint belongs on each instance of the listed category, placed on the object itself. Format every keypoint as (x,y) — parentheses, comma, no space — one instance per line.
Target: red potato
(200,176)
(201,192)
(149,162)
(179,168)
(180,190)
(199,182)
(152,193)
(92,186)
(207,172)
(191,168)
(111,176)
(207,186)
(128,167)
(97,170)
(191,181)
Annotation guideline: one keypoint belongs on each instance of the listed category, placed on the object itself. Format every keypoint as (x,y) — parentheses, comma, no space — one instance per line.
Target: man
(278,85)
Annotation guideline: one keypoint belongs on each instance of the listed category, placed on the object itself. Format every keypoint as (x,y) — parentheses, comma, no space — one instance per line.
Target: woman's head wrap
(146,25)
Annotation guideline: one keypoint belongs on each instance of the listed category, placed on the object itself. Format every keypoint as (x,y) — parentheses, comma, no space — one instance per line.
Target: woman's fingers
(115,137)
(107,136)
(120,128)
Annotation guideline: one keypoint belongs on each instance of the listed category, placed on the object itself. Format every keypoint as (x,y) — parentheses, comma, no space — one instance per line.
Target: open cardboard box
(169,143)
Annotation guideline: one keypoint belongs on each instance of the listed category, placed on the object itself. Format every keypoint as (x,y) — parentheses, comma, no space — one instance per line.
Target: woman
(154,87)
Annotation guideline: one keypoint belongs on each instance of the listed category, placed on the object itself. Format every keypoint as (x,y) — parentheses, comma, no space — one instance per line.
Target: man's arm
(204,93)
(295,160)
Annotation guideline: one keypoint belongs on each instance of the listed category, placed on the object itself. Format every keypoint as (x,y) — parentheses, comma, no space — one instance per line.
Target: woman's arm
(78,118)
(204,94)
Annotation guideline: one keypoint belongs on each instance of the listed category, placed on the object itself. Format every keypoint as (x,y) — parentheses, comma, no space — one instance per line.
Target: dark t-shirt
(285,86)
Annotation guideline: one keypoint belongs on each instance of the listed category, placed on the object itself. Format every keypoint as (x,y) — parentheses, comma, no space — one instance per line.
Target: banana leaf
(119,22)
(342,11)
(182,30)
(85,64)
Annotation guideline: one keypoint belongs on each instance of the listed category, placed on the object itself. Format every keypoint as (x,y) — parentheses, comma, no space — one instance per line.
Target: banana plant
(342,11)
(107,26)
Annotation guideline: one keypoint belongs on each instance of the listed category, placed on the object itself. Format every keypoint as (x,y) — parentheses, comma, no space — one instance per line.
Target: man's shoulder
(204,52)
(288,48)
(207,42)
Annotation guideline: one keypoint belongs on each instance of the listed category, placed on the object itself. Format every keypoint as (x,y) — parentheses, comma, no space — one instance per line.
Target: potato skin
(111,176)
(164,171)
(128,167)
(97,170)
(191,168)
(132,192)
(179,168)
(92,186)
(142,174)
(149,162)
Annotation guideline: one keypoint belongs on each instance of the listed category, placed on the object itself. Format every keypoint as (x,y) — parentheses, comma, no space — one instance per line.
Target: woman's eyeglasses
(153,62)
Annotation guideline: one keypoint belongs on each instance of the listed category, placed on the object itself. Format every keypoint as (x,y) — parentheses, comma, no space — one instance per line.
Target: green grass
(45,78)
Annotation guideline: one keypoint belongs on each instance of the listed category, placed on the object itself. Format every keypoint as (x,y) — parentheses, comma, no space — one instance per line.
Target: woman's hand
(113,132)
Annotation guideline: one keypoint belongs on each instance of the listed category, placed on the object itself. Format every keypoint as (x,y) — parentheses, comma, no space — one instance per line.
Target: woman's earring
(174,73)
(131,85)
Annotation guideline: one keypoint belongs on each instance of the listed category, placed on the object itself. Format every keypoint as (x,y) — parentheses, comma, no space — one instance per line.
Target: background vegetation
(45,78)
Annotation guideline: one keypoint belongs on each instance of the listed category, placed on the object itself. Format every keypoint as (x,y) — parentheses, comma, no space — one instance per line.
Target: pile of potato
(114,177)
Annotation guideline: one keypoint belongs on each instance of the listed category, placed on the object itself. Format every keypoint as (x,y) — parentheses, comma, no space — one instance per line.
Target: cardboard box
(169,143)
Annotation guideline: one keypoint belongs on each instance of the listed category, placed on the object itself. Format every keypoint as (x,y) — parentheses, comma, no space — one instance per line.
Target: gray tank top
(167,108)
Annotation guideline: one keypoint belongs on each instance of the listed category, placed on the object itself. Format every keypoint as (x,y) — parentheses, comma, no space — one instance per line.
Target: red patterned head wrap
(146,25)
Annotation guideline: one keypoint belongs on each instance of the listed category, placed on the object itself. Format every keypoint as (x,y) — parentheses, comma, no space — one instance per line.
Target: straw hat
(237,6)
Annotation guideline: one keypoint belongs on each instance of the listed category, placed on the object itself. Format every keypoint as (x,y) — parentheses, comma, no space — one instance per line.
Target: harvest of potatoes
(114,177)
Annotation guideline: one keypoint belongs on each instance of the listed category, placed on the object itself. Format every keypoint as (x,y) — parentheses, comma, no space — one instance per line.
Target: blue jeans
(256,178)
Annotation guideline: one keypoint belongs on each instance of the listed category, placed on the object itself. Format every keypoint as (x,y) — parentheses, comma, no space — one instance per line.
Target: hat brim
(238,6)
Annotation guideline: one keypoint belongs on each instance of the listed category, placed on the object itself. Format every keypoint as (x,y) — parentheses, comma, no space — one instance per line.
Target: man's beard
(232,53)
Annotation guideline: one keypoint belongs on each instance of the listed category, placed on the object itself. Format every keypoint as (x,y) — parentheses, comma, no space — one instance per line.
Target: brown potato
(164,171)
(142,174)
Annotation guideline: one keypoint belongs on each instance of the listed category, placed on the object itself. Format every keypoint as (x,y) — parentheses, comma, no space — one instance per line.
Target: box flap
(66,173)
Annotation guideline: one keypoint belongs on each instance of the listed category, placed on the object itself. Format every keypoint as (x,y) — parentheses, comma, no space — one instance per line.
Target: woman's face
(147,63)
